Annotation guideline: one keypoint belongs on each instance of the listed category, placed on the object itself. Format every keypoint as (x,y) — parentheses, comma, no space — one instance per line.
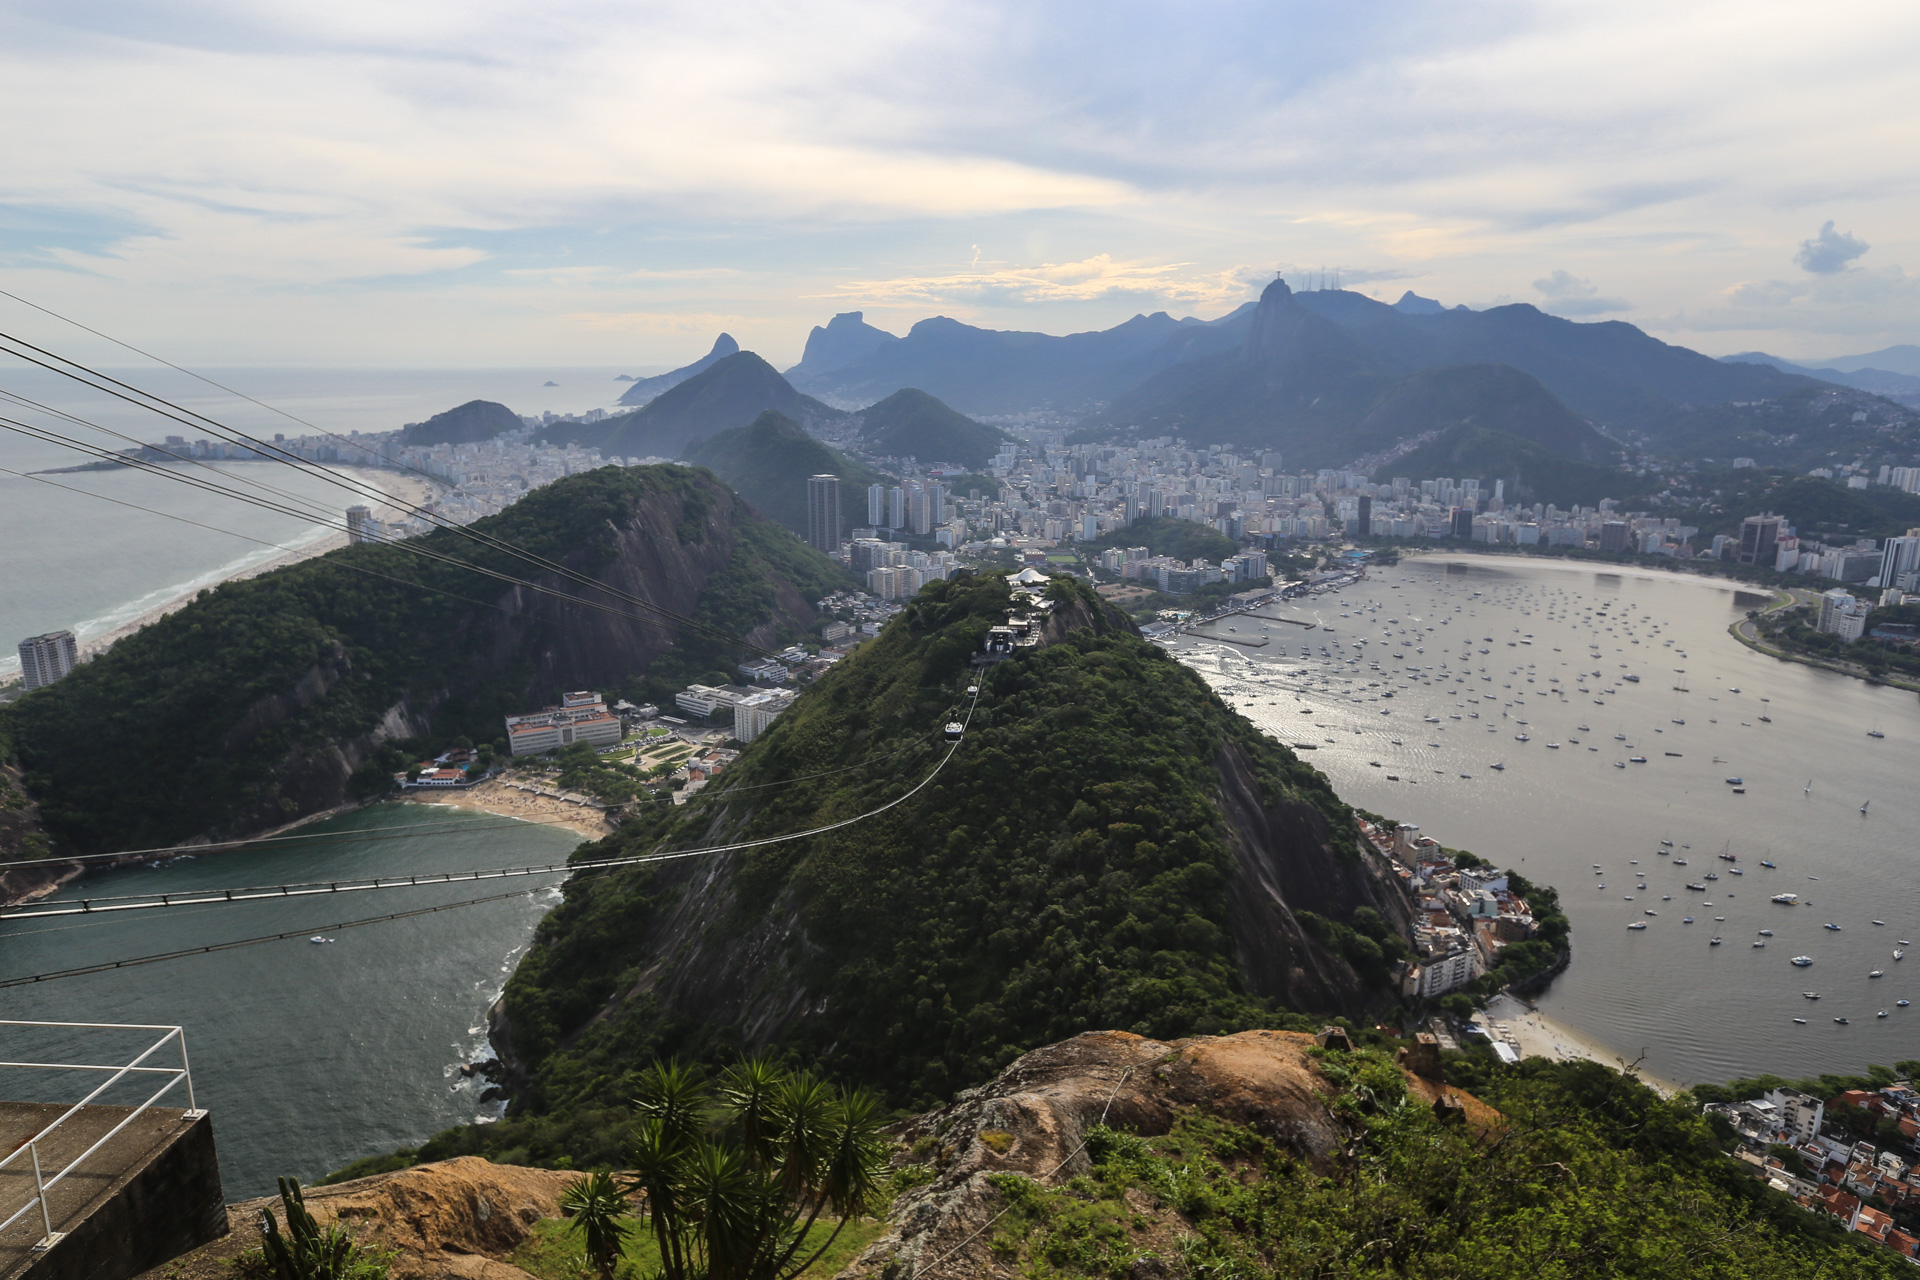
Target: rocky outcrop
(456,1219)
(1286,860)
(1033,1120)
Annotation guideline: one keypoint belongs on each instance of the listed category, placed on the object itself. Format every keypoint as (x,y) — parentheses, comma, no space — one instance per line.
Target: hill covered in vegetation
(1109,846)
(1532,473)
(279,696)
(912,424)
(465,424)
(767,462)
(1171,536)
(1264,1154)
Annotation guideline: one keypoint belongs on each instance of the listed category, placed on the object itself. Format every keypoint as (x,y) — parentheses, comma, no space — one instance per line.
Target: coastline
(506,801)
(1535,1035)
(411,489)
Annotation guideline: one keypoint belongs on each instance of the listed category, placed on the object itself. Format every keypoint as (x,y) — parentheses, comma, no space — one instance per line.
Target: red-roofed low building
(1903,1244)
(1873,1224)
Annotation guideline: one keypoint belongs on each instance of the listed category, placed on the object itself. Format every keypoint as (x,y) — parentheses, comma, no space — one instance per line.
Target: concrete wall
(163,1202)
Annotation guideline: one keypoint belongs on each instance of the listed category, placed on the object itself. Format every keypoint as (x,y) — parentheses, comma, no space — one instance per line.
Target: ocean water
(308,1056)
(1513,647)
(81,558)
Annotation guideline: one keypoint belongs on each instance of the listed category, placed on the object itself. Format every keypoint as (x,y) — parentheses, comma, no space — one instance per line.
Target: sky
(428,184)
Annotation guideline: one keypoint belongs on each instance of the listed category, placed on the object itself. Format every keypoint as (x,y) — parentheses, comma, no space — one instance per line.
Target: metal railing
(42,1184)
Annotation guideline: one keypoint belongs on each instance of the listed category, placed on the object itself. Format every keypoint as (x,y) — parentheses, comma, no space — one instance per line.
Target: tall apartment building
(755,712)
(1898,556)
(919,510)
(877,506)
(1758,534)
(823,513)
(580,717)
(1613,535)
(361,526)
(44,659)
(896,508)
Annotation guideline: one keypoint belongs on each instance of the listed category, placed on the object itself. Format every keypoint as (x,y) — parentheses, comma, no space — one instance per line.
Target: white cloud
(1829,251)
(1566,294)
(514,169)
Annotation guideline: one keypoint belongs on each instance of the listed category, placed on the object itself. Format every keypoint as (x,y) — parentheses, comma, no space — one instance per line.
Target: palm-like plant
(736,1177)
(596,1204)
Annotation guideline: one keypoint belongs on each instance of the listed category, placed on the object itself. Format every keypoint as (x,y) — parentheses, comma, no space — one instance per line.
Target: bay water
(308,1055)
(1477,651)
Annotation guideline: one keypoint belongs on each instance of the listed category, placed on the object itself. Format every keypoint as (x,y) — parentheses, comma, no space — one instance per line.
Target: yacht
(1636,759)
(1785,899)
(1766,933)
(1802,962)
(1638,924)
(1801,1021)
(1831,927)
(1902,1003)
(1767,864)
(1736,782)
(1878,973)
(1841,1021)
(1899,954)
(1811,995)
(1881,1014)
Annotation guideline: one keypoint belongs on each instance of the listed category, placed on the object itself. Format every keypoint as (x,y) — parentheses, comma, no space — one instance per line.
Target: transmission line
(96,380)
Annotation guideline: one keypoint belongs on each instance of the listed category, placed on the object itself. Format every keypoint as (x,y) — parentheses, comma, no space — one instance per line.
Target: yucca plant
(735,1177)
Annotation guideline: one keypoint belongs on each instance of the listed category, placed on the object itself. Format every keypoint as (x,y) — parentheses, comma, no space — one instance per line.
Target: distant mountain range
(645,389)
(1876,373)
(992,371)
(1325,377)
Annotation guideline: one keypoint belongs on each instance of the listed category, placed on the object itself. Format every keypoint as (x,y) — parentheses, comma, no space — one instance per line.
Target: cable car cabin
(1000,640)
(973,691)
(953,731)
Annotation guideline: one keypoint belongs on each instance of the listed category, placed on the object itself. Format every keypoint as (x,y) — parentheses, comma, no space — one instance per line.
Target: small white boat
(317,940)
(1802,962)
(1638,924)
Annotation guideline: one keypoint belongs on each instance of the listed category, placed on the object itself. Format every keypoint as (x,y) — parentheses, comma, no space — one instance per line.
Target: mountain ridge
(644,390)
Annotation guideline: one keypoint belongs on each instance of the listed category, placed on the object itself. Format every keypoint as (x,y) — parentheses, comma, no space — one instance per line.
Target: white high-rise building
(1898,556)
(877,506)
(44,659)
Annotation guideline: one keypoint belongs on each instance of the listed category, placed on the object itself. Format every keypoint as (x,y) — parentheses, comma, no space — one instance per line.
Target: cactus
(307,1252)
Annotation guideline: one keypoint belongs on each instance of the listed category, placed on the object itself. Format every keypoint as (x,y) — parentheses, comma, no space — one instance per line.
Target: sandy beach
(407,488)
(507,801)
(1536,1035)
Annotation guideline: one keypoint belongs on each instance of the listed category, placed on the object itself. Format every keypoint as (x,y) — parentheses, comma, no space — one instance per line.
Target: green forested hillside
(1085,859)
(280,695)
(1585,1175)
(1532,473)
(1171,536)
(767,462)
(912,424)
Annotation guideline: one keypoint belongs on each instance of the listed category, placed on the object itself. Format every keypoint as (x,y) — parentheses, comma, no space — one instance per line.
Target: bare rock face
(454,1220)
(1033,1118)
